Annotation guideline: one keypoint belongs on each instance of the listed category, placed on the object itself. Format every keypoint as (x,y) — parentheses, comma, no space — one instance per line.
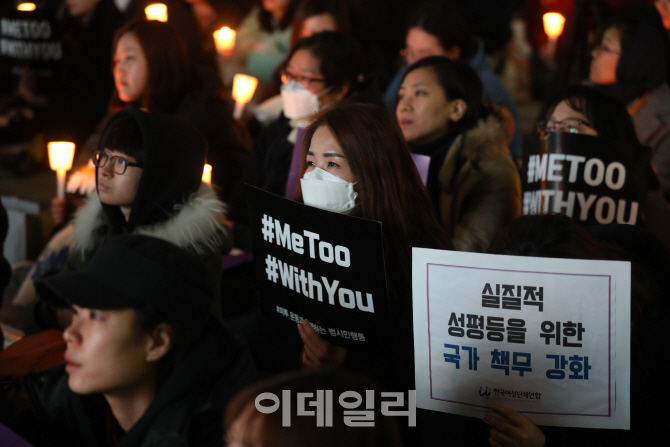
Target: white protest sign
(547,337)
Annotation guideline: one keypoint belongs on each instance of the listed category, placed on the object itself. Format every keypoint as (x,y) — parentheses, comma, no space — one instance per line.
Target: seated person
(149,171)
(145,363)
(474,184)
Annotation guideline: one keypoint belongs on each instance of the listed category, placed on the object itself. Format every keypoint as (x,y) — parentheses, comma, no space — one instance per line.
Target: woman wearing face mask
(321,71)
(472,179)
(355,161)
(630,63)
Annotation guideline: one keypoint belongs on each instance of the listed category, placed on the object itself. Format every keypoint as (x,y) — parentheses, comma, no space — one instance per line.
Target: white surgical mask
(323,190)
(299,102)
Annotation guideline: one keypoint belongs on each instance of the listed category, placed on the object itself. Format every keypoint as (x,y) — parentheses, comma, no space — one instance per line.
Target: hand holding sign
(512,429)
(317,352)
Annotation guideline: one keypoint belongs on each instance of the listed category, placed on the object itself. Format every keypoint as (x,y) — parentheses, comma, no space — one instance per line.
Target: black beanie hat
(133,271)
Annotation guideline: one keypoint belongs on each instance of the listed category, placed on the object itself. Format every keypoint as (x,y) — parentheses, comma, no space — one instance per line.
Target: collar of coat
(486,141)
(195,226)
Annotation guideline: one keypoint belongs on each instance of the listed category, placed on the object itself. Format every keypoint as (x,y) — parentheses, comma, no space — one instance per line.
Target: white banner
(548,337)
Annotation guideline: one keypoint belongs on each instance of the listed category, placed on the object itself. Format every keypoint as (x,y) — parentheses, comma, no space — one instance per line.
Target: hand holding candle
(244,87)
(61,154)
(225,41)
(156,11)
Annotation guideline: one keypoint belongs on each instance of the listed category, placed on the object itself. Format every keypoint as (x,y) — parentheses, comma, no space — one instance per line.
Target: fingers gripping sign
(509,428)
(317,352)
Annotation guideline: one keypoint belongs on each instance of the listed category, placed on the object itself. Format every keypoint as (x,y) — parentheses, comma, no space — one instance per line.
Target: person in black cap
(145,362)
(149,181)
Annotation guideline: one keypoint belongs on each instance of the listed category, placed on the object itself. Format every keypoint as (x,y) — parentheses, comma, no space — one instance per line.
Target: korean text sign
(321,266)
(591,179)
(547,337)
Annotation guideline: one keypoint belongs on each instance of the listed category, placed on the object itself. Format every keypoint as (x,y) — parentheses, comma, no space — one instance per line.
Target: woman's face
(566,119)
(324,152)
(318,24)
(421,44)
(105,354)
(131,70)
(304,68)
(606,57)
(423,110)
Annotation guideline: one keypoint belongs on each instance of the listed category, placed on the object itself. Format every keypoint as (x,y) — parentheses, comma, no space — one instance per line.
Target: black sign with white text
(321,266)
(591,179)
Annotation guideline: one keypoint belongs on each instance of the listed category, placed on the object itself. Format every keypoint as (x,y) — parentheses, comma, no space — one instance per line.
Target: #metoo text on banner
(321,266)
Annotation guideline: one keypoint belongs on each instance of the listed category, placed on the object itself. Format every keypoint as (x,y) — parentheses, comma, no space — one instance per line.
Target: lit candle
(225,41)
(26,7)
(244,87)
(553,27)
(61,154)
(207,174)
(156,11)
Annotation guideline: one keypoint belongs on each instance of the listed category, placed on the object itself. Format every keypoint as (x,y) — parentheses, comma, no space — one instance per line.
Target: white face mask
(299,102)
(323,190)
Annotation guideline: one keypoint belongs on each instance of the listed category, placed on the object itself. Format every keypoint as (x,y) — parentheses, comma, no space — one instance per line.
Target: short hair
(147,318)
(459,81)
(339,9)
(445,21)
(167,61)
(124,135)
(262,429)
(340,58)
(607,115)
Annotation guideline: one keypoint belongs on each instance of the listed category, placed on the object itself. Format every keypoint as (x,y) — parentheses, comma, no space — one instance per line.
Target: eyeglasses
(568,125)
(305,81)
(119,164)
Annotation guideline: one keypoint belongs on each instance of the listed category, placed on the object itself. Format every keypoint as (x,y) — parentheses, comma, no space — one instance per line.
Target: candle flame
(156,11)
(553,24)
(26,7)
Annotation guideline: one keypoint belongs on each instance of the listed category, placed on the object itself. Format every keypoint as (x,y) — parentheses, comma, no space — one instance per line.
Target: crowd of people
(143,317)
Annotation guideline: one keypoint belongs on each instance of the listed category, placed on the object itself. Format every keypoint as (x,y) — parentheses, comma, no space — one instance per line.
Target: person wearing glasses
(585,110)
(321,70)
(631,64)
(148,176)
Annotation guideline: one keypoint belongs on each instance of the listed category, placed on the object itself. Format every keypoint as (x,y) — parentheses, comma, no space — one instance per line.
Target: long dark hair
(340,57)
(265,17)
(339,9)
(167,60)
(607,115)
(388,184)
(444,20)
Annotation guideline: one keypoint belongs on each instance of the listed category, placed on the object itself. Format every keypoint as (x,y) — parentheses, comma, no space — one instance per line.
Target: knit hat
(133,271)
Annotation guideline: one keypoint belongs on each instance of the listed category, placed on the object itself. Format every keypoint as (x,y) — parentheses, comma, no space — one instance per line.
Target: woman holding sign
(471,178)
(586,111)
(355,161)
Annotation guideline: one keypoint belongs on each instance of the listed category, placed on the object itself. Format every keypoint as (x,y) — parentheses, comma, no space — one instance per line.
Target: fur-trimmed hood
(195,225)
(490,137)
